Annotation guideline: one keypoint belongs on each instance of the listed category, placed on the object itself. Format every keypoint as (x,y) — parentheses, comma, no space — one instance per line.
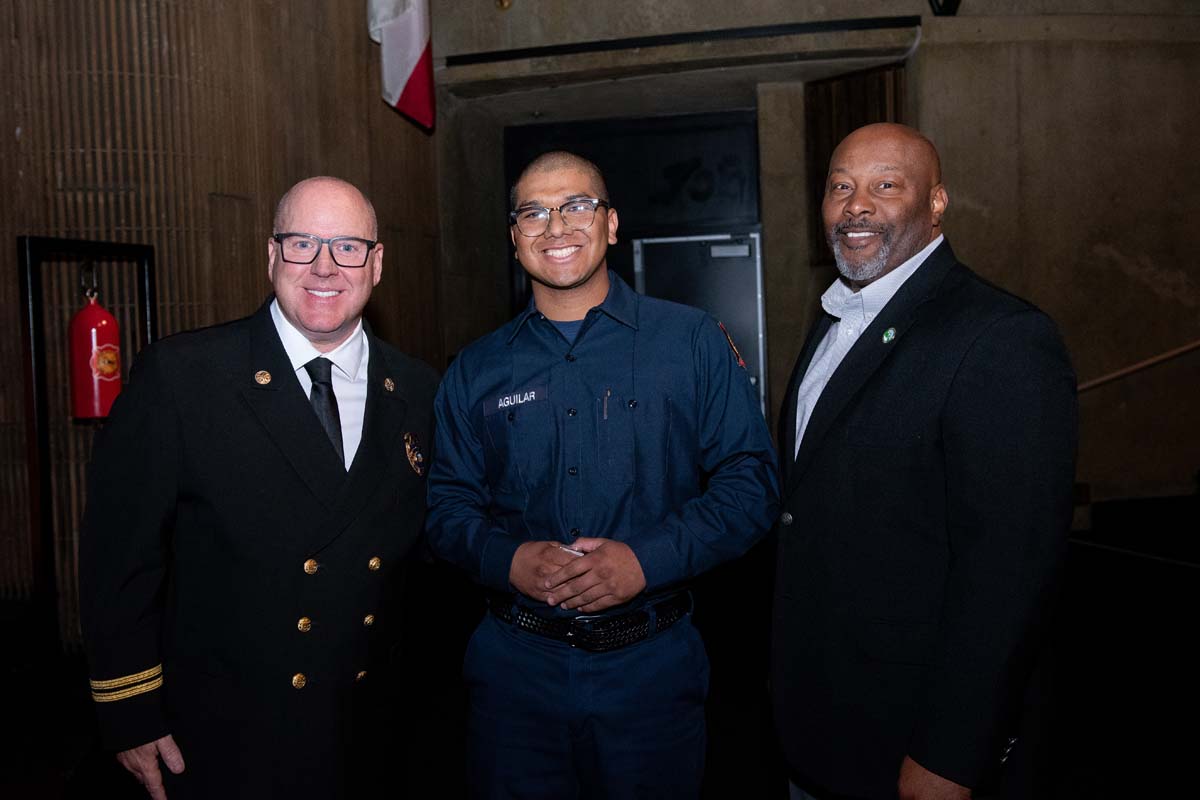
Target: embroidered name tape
(507,402)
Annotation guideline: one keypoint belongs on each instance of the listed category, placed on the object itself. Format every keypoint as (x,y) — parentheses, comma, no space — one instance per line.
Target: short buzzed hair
(282,207)
(558,159)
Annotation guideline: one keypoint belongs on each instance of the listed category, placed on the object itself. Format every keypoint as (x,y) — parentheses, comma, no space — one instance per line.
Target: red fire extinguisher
(95,360)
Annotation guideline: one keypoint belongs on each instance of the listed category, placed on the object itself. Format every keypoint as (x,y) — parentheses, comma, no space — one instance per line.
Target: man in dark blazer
(928,442)
(250,503)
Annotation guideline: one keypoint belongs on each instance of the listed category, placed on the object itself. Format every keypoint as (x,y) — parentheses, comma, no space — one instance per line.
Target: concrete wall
(481,26)
(1069,151)
(1065,128)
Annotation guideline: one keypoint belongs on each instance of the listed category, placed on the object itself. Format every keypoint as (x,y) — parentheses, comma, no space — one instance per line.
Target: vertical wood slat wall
(178,123)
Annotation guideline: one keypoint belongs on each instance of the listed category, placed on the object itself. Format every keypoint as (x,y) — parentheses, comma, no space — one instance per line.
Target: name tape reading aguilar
(506,401)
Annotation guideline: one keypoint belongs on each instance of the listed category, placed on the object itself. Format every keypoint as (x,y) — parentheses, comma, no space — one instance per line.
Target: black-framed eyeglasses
(576,214)
(303,248)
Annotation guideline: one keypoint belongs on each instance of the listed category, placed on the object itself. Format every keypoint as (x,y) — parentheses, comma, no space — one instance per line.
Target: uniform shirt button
(572,470)
(511,416)
(304,624)
(375,563)
(369,620)
(570,356)
(311,566)
(299,681)
(785,518)
(362,673)
(633,403)
(571,412)
(575,532)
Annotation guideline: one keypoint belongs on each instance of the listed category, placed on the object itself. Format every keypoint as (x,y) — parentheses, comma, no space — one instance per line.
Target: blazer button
(304,625)
(375,563)
(311,566)
(298,680)
(785,518)
(369,620)
(361,674)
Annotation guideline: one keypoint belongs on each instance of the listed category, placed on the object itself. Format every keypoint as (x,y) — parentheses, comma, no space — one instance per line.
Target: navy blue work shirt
(644,430)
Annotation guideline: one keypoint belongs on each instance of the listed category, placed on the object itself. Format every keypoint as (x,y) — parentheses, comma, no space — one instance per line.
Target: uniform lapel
(277,399)
(870,351)
(381,442)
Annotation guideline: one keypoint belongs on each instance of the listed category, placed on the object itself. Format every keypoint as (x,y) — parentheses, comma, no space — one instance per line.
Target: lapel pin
(888,335)
(262,377)
(389,384)
(412,449)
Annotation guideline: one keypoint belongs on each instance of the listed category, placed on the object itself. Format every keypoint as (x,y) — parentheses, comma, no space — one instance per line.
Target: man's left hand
(608,575)
(918,783)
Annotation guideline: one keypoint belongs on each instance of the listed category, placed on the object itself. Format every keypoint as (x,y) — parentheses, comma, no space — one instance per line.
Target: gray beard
(868,270)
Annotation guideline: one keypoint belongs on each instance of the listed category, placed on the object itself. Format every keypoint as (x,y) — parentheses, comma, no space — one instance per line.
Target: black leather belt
(595,634)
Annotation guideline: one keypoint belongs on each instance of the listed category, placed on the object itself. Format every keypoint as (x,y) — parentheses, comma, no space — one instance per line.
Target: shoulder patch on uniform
(736,354)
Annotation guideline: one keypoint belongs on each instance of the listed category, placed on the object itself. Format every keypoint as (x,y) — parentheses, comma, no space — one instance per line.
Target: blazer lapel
(277,399)
(380,445)
(870,351)
(787,416)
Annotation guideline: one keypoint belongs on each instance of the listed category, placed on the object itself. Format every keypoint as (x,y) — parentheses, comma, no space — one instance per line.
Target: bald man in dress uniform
(251,503)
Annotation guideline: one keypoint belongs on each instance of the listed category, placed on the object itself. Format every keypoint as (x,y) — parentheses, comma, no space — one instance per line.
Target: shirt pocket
(616,443)
(501,451)
(523,443)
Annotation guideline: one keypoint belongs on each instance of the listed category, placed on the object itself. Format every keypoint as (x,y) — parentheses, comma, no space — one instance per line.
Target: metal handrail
(1141,365)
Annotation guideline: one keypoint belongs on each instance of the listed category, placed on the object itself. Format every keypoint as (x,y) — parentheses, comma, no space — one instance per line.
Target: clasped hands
(606,575)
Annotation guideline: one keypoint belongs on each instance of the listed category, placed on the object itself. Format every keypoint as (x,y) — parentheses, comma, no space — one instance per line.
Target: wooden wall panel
(178,123)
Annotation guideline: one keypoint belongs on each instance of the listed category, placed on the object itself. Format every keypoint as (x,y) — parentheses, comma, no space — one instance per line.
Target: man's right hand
(532,562)
(143,763)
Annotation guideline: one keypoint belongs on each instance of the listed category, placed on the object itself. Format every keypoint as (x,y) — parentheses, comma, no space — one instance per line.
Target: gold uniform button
(311,566)
(304,625)
(369,620)
(361,674)
(298,680)
(375,563)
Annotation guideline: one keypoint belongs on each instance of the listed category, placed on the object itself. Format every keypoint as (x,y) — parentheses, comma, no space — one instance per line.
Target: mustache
(859,226)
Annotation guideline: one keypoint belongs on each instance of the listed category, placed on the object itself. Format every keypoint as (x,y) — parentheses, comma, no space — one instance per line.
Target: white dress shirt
(349,375)
(854,312)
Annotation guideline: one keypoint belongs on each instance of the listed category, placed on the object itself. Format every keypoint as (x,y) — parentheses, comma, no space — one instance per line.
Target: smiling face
(563,259)
(884,200)
(322,300)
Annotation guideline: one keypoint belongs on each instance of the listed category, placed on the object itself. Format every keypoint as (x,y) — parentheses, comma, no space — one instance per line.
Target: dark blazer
(226,552)
(925,519)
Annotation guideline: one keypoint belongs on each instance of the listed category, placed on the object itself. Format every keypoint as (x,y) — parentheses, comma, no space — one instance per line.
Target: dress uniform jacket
(924,521)
(236,578)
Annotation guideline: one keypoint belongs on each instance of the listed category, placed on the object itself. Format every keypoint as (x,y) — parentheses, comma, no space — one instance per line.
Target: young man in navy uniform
(250,500)
(593,455)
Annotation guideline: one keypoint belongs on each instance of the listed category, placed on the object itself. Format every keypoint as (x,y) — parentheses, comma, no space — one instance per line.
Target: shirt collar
(620,304)
(347,356)
(839,299)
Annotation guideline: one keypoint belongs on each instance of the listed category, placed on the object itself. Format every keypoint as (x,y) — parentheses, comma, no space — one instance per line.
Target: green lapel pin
(888,335)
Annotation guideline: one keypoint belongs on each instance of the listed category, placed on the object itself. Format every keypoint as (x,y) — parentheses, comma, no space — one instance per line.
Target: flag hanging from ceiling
(402,29)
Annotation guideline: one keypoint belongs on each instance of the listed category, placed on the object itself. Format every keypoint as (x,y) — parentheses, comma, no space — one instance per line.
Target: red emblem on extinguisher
(95,360)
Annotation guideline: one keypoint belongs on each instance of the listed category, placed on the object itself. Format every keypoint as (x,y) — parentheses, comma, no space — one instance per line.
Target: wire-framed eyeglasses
(576,214)
(303,248)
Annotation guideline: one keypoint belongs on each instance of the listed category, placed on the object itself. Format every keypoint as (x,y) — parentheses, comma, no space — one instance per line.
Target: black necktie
(324,403)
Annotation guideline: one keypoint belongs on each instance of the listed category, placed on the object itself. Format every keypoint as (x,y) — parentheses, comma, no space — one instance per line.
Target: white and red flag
(402,29)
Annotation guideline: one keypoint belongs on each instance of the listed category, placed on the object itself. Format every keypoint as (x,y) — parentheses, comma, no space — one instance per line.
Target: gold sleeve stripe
(117,683)
(109,697)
